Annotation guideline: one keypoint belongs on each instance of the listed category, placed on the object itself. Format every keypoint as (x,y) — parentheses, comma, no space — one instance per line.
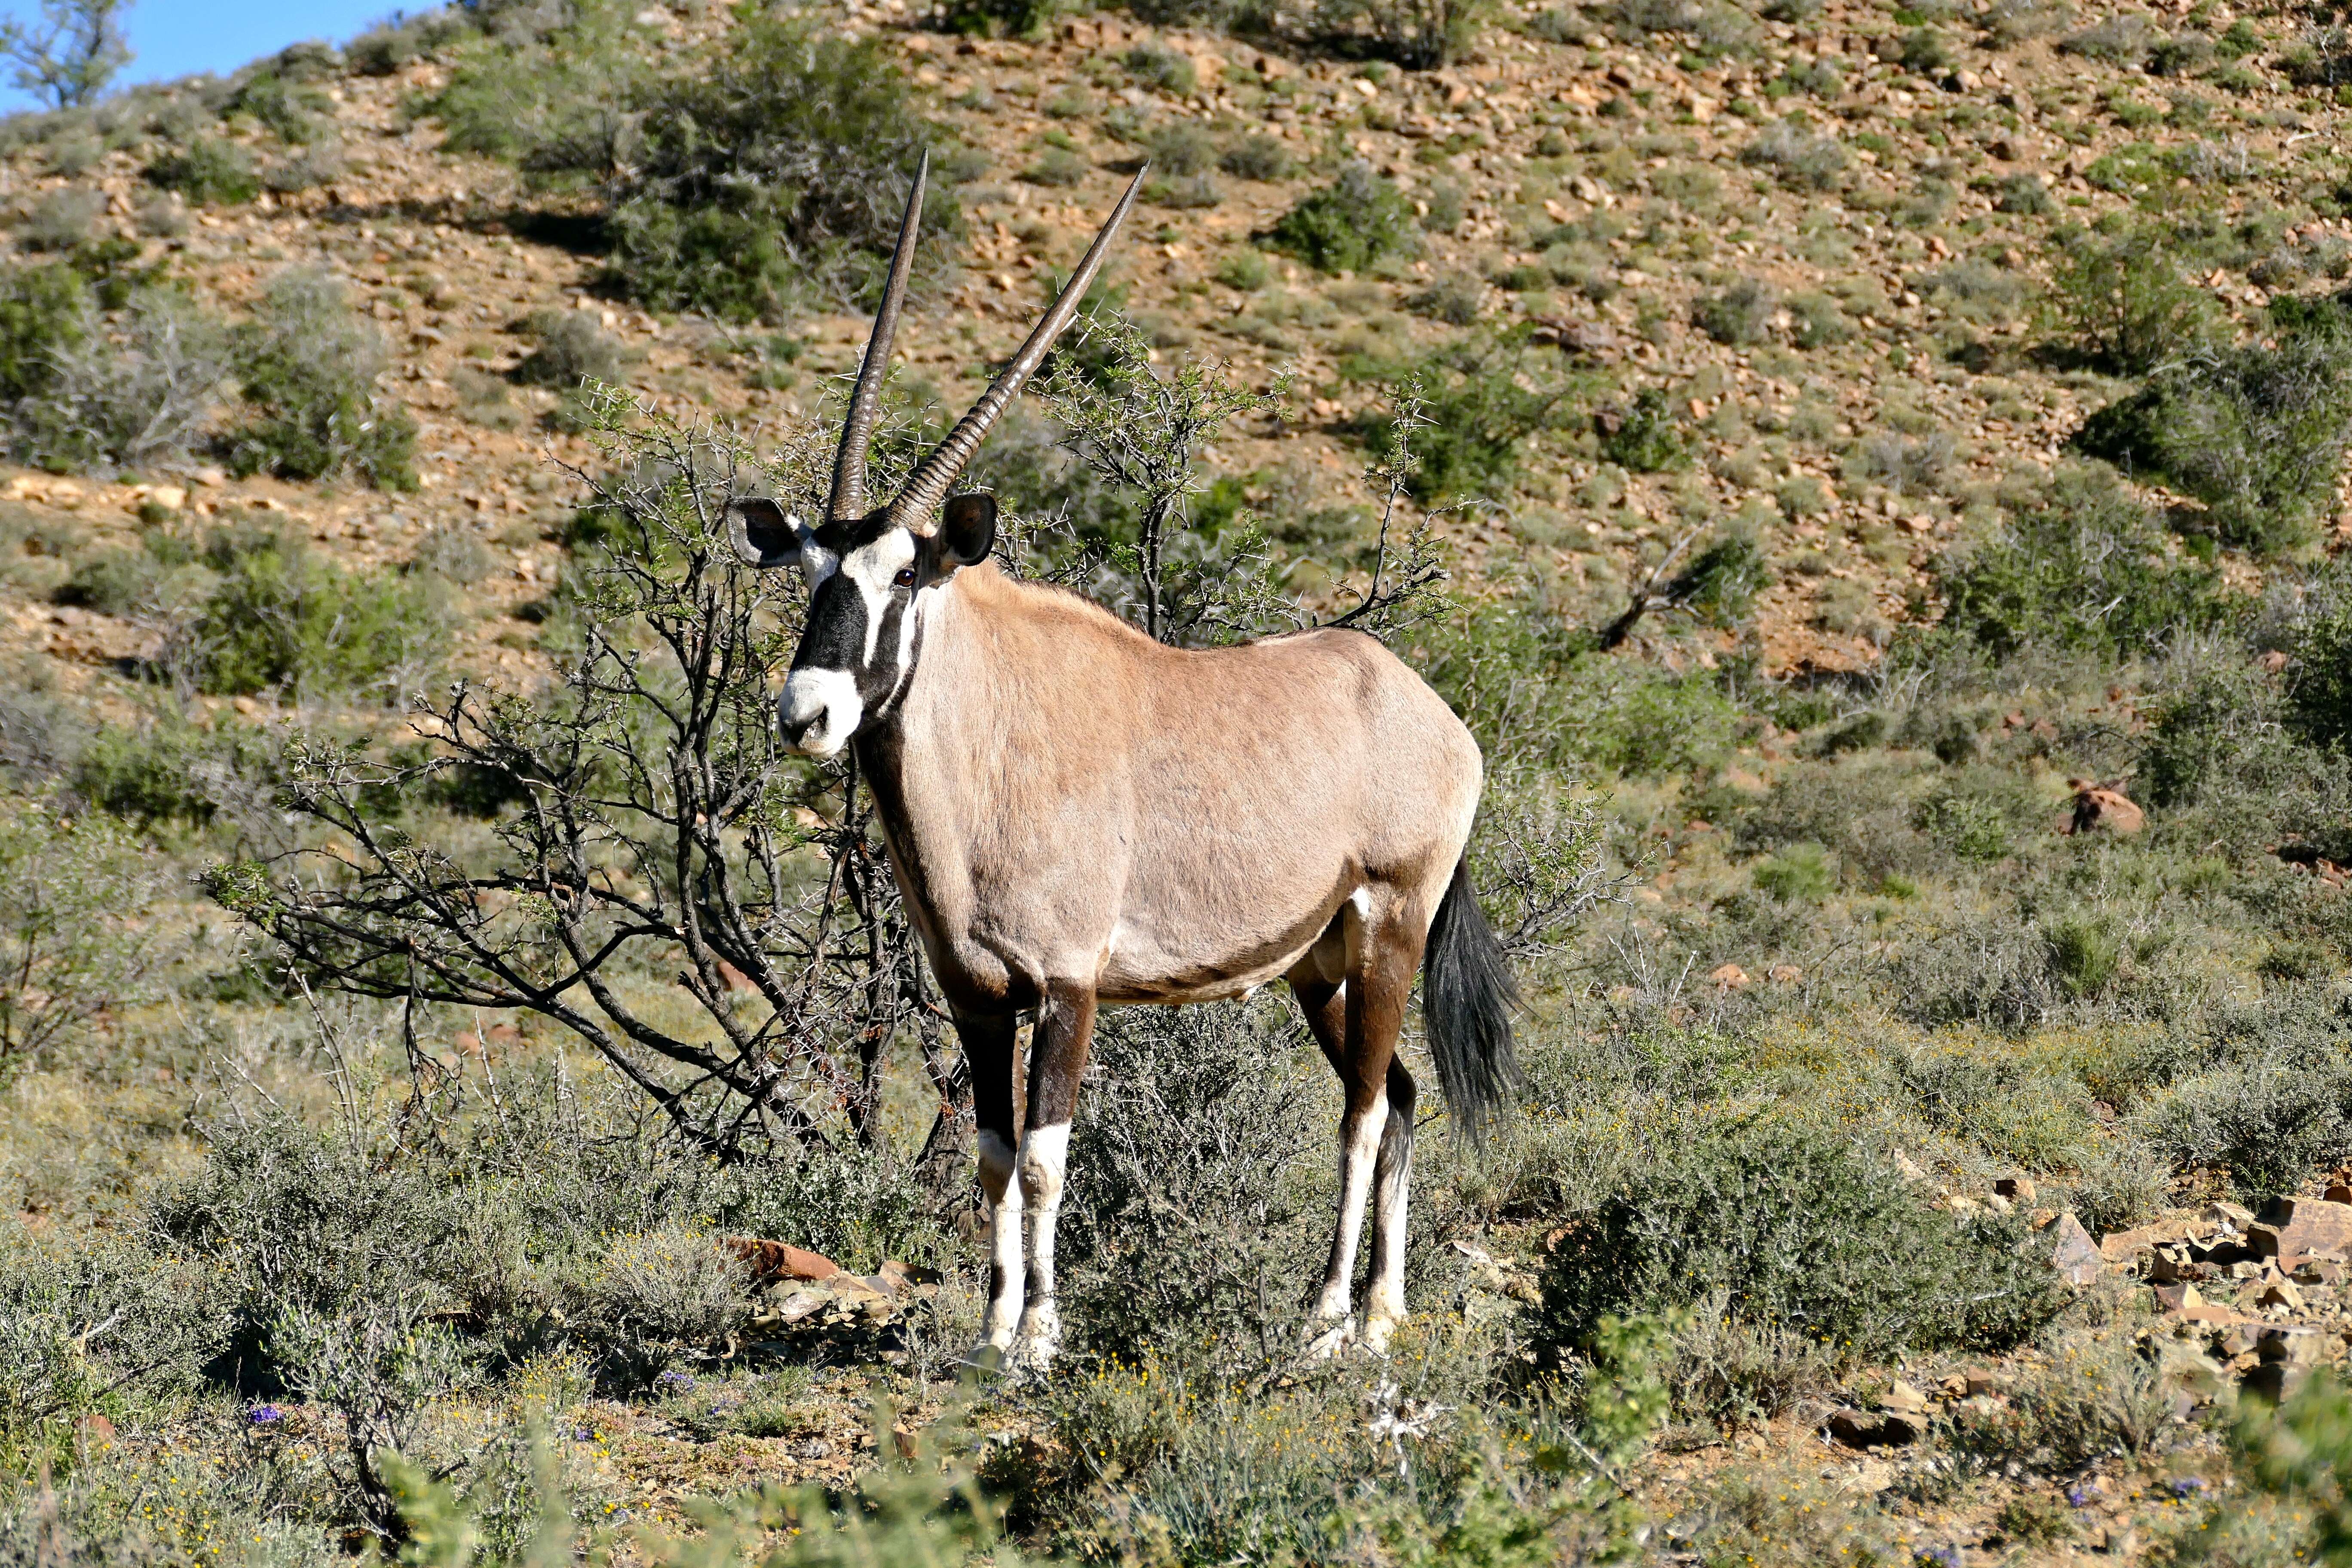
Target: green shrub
(1191,194)
(1247,270)
(1482,396)
(1799,872)
(1002,18)
(43,312)
(2085,953)
(282,104)
(1968,825)
(1453,298)
(1255,157)
(1906,464)
(208,172)
(772,166)
(2023,195)
(1157,65)
(2269,1122)
(1060,167)
(307,366)
(155,773)
(2122,40)
(282,618)
(1794,1227)
(2119,292)
(55,1373)
(1187,1210)
(1734,1373)
(2320,673)
(657,1292)
(1742,314)
(1819,320)
(1644,435)
(2078,564)
(1534,690)
(556,106)
(2087,1400)
(1179,148)
(65,889)
(1347,225)
(573,346)
(2223,747)
(2257,432)
(385,48)
(1418,35)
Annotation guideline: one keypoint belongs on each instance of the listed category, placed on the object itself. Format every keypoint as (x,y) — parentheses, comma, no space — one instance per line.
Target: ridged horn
(929,486)
(865,402)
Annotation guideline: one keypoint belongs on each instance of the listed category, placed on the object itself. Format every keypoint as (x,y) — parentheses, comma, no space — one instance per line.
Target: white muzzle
(820,710)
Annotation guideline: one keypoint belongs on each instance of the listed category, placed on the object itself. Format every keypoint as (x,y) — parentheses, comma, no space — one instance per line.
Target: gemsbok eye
(905,579)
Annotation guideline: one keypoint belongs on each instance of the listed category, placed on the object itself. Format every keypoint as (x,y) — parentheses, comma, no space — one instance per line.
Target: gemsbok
(1080,817)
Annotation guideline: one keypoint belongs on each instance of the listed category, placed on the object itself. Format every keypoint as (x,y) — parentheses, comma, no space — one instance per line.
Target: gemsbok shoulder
(1079,816)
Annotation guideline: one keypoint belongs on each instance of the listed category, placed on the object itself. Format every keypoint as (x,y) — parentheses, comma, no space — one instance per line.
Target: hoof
(1377,1331)
(1333,1342)
(1037,1343)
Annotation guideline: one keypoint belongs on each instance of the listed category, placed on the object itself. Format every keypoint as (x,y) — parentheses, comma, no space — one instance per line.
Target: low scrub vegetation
(1347,225)
(764,172)
(103,368)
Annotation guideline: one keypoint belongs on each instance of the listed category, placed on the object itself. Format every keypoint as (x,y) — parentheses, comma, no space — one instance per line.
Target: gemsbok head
(1078,815)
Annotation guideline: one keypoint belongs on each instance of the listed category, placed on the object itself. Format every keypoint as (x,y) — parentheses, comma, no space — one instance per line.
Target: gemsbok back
(1080,817)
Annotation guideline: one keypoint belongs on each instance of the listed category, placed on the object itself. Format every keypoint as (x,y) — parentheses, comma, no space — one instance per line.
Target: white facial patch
(817,563)
(872,568)
(823,708)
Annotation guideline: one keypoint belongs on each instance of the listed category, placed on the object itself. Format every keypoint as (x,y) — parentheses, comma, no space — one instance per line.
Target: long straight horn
(928,487)
(865,402)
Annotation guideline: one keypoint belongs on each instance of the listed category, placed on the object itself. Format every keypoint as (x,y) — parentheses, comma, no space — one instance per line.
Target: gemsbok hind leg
(1057,1060)
(988,1045)
(1357,1024)
(1384,1303)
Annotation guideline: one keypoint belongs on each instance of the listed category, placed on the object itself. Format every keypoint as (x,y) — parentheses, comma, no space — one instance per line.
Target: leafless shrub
(128,395)
(2229,163)
(2124,40)
(651,854)
(1908,464)
(2021,21)
(61,219)
(1803,162)
(312,166)
(2320,56)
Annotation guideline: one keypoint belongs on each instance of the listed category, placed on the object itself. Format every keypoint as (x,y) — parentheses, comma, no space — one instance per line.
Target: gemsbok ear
(968,528)
(763,534)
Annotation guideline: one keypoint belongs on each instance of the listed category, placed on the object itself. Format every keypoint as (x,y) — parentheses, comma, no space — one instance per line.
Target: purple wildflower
(265,1415)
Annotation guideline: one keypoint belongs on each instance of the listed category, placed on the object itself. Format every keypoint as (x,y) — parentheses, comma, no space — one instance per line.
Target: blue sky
(175,37)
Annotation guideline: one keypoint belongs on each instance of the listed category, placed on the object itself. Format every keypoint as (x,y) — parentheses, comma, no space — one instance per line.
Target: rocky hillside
(1827,244)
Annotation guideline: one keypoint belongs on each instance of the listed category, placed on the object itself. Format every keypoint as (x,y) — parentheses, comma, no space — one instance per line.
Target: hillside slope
(1880,278)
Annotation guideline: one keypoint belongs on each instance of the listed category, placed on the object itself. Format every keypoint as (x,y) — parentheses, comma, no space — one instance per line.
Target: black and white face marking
(859,644)
(869,582)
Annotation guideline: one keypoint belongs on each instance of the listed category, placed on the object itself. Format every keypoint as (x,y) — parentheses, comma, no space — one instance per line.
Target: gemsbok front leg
(1057,1060)
(988,1045)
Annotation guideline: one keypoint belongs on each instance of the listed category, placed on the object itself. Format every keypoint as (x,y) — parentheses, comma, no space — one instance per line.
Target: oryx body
(1079,816)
